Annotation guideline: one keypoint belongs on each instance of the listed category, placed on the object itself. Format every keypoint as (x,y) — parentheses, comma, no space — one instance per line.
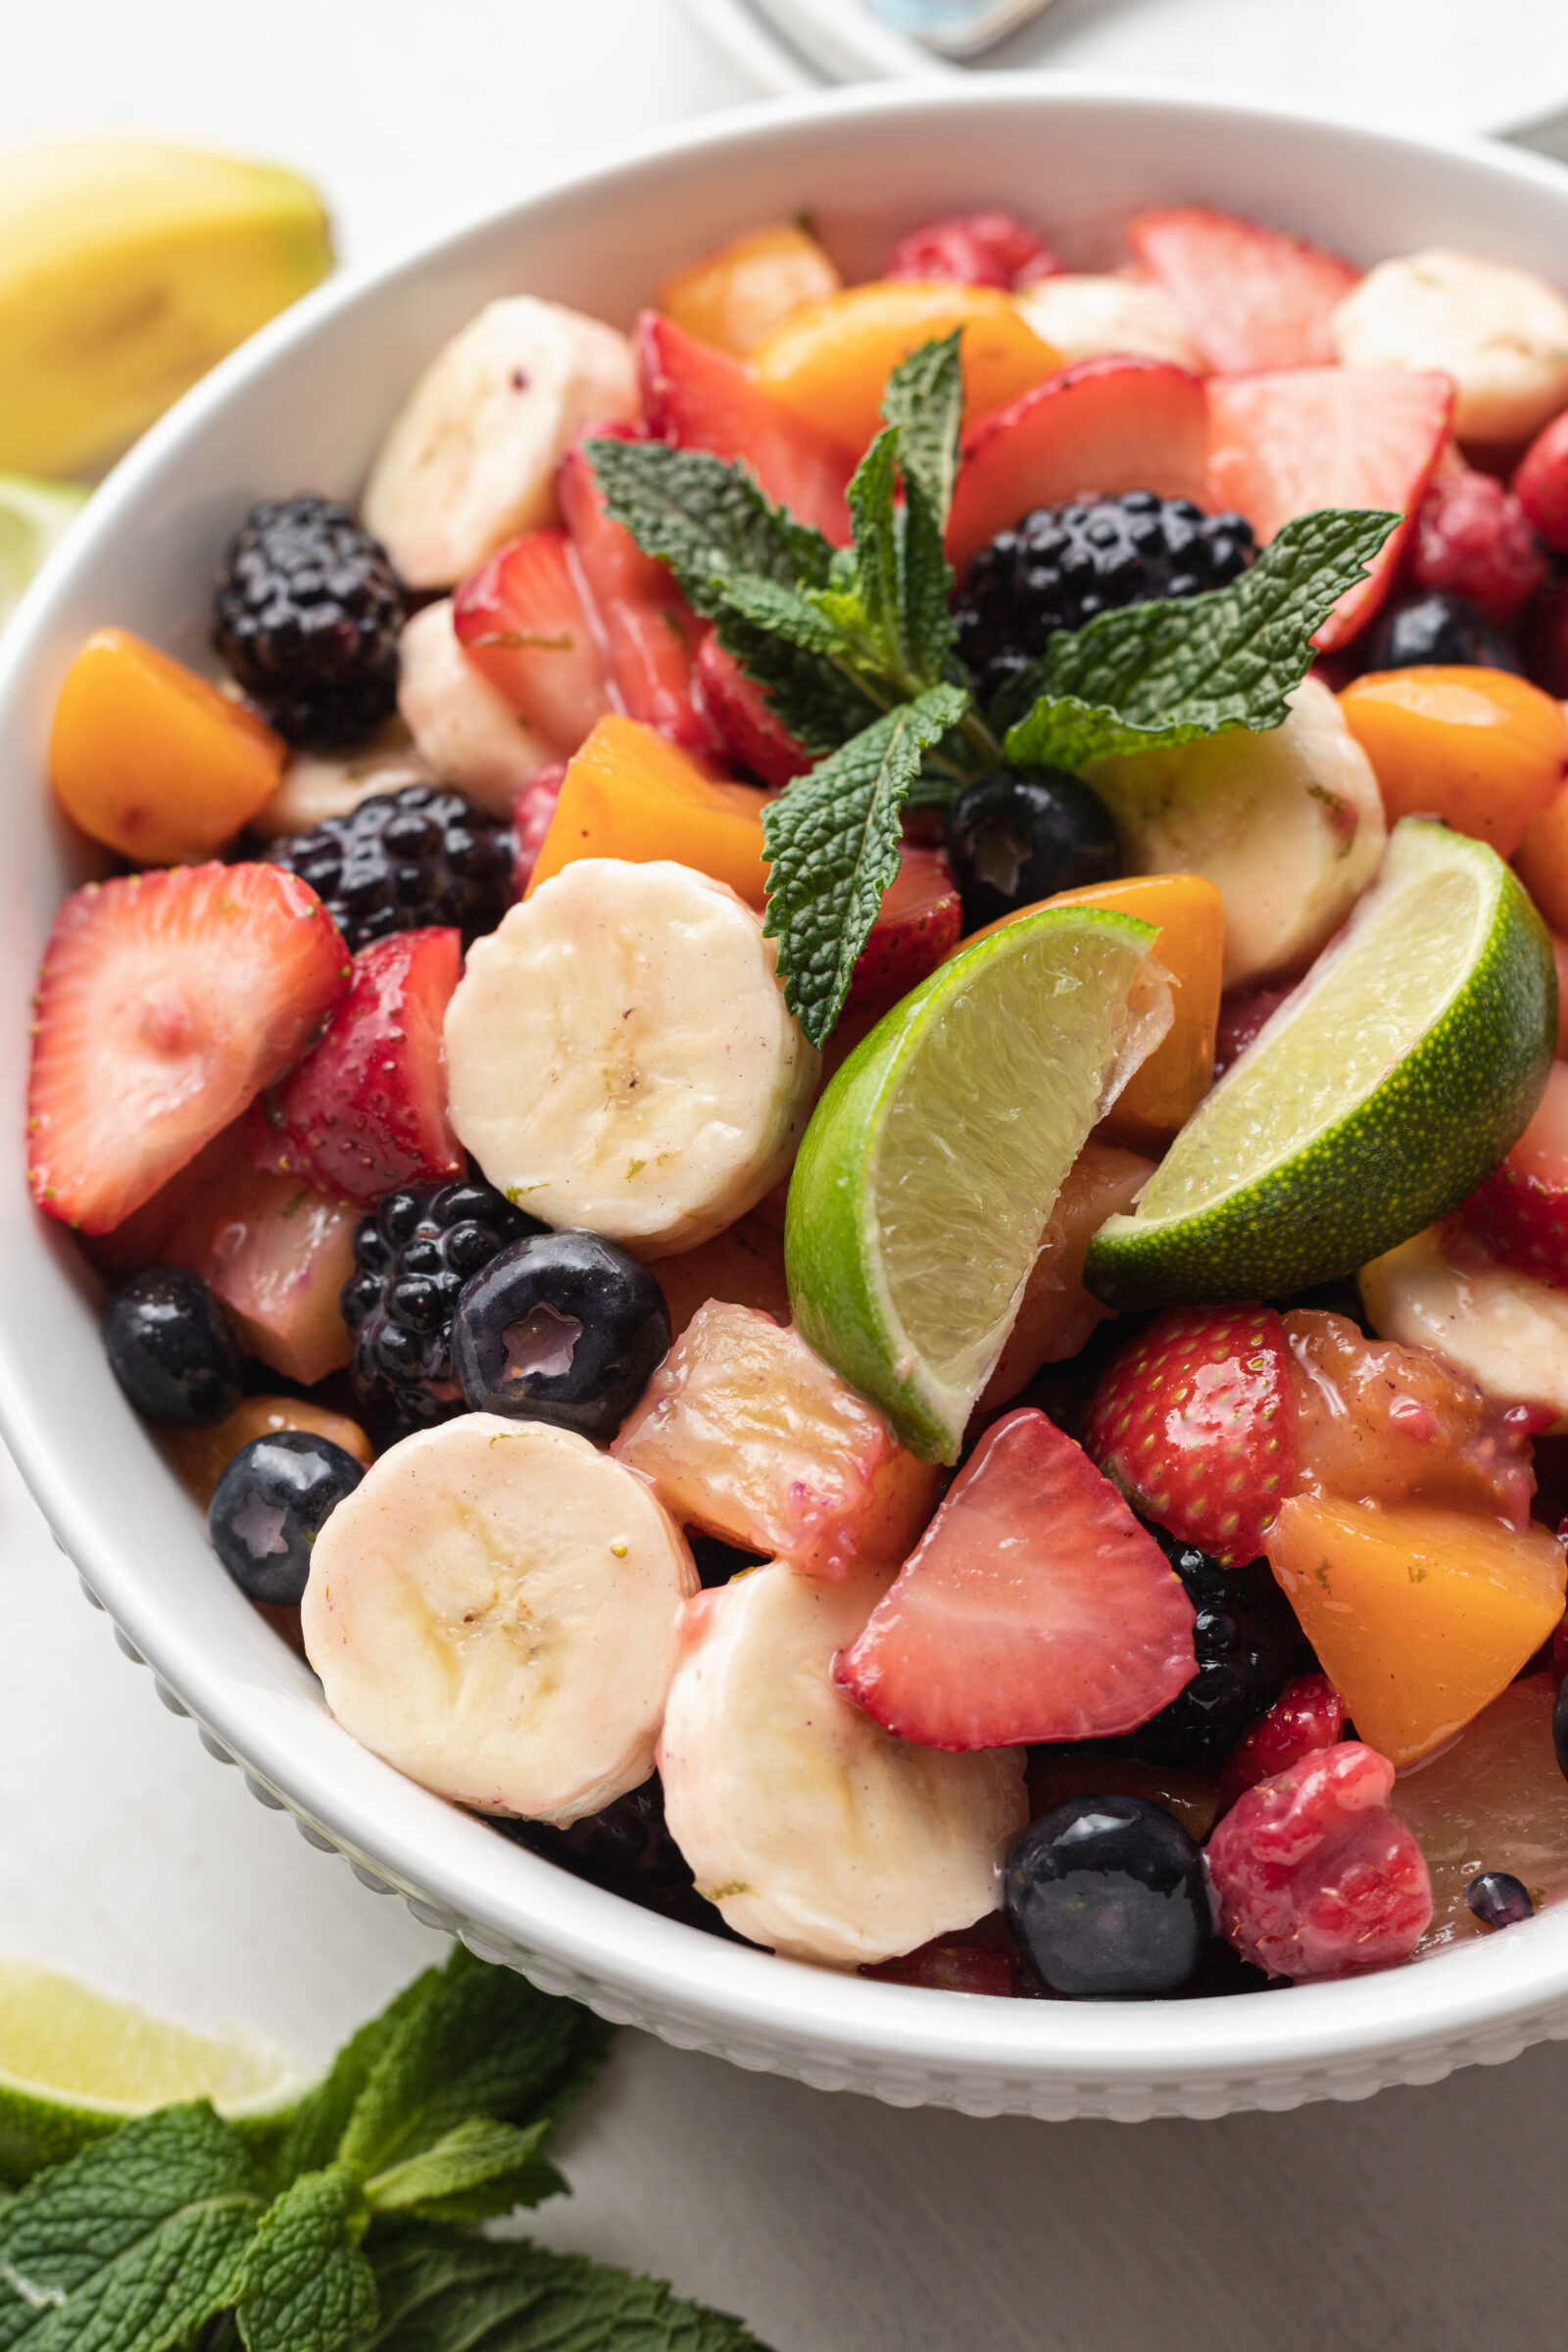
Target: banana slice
(814,1831)
(471,457)
(493,1610)
(466,732)
(323,784)
(1503,1329)
(620,1055)
(1086,318)
(1501,333)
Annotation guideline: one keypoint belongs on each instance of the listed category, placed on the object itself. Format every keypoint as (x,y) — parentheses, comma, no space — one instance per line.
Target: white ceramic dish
(303,406)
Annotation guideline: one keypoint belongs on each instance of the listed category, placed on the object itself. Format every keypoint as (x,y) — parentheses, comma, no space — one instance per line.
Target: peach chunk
(748,1434)
(1057,1313)
(1494,1800)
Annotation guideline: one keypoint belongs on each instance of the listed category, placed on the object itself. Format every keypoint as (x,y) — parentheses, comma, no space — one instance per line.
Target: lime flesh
(34,517)
(1377,1098)
(933,1159)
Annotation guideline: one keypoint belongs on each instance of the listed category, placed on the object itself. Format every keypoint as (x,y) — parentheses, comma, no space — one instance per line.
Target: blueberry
(170,1349)
(1022,833)
(1106,1896)
(560,1327)
(270,1505)
(1433,626)
(1499,1899)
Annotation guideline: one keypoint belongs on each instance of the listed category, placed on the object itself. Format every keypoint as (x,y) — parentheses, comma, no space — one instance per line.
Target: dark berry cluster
(1062,564)
(306,615)
(1246,1639)
(405,858)
(412,1257)
(628,1849)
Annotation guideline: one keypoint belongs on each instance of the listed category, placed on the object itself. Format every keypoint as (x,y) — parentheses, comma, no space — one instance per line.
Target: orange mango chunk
(630,794)
(1480,748)
(1541,860)
(199,1457)
(151,759)
(831,360)
(1420,1617)
(736,296)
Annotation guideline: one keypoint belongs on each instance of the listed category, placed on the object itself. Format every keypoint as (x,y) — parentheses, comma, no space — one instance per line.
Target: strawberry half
(751,727)
(701,398)
(973,249)
(1287,444)
(1194,1421)
(166,1001)
(1250,297)
(1521,1212)
(522,621)
(365,1111)
(916,928)
(1034,1607)
(1102,427)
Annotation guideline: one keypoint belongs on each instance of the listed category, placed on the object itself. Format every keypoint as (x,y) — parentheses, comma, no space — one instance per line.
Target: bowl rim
(694,1987)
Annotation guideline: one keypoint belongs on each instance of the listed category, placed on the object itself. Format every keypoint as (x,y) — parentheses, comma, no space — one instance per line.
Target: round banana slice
(814,1831)
(463,729)
(318,785)
(496,1615)
(620,1055)
(471,459)
(1500,1326)
(1088,317)
(1501,333)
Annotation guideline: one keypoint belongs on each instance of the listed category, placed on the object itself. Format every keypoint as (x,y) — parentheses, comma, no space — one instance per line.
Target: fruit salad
(819,1095)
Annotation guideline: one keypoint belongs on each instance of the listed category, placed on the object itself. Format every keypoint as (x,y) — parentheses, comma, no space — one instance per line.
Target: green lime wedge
(932,1161)
(34,517)
(75,2064)
(1381,1092)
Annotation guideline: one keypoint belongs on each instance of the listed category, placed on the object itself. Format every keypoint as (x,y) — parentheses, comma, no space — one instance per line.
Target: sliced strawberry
(1521,1212)
(1102,427)
(1194,1419)
(1034,1607)
(973,249)
(751,727)
(1541,483)
(365,1111)
(531,812)
(1308,1714)
(523,621)
(1250,297)
(701,398)
(917,927)
(278,1255)
(649,629)
(1287,444)
(166,1001)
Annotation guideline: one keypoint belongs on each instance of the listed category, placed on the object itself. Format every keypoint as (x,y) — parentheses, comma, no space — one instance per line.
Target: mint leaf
(799,621)
(924,398)
(832,841)
(475,2171)
(306,2285)
(703,518)
(133,2244)
(317,2124)
(821,705)
(925,587)
(871,611)
(445,2293)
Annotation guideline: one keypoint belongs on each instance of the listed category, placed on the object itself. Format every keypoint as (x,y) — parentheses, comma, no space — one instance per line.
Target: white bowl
(304,405)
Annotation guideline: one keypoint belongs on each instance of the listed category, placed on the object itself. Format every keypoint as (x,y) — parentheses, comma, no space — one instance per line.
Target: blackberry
(412,1257)
(626,1850)
(405,858)
(1245,1638)
(306,614)
(1062,564)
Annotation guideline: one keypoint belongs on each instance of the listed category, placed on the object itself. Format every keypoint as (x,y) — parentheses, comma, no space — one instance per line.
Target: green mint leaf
(133,2244)
(832,843)
(925,586)
(441,2292)
(479,2170)
(703,518)
(870,618)
(306,2285)
(317,2127)
(1061,731)
(798,620)
(821,705)
(924,398)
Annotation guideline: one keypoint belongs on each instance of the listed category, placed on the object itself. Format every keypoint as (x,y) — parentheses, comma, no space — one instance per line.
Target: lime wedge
(1381,1092)
(75,2063)
(932,1161)
(34,517)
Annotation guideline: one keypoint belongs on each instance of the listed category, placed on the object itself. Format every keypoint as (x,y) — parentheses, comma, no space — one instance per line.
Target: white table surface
(1426,2219)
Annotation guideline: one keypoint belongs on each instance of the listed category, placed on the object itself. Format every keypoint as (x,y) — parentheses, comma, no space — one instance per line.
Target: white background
(1426,2219)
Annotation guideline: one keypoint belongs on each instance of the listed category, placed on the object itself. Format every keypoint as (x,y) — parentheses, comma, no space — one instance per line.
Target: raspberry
(307,612)
(1314,1876)
(1307,1715)
(1541,483)
(1473,539)
(974,249)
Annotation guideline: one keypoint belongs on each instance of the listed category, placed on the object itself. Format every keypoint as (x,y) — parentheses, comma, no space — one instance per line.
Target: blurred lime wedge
(1379,1096)
(34,517)
(932,1161)
(75,2063)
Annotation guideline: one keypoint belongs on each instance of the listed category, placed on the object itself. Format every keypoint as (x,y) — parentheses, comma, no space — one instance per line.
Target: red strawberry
(1034,1607)
(1287,444)
(917,927)
(1194,1419)
(1472,539)
(1307,1715)
(365,1111)
(973,249)
(1541,483)
(1250,297)
(749,725)
(166,1001)
(649,627)
(531,812)
(980,1959)
(1104,426)
(278,1255)
(701,398)
(523,621)
(1521,1212)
